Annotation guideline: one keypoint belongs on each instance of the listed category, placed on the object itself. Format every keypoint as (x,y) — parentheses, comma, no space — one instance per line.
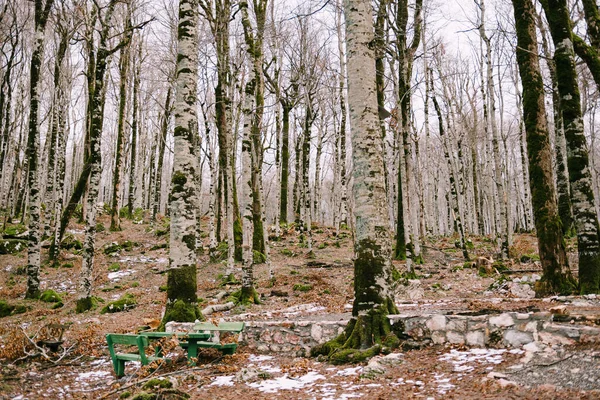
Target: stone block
(278,338)
(502,320)
(475,338)
(436,323)
(516,338)
(455,337)
(456,323)
(316,332)
(553,339)
(438,337)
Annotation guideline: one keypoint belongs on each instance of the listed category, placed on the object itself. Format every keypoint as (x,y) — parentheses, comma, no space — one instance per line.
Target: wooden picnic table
(192,341)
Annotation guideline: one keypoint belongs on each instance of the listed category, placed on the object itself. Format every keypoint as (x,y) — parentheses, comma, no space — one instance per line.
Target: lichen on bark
(369,329)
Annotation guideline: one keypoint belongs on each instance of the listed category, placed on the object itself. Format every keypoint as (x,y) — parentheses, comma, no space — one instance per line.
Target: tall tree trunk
(84,301)
(57,109)
(247,293)
(285,162)
(134,132)
(343,221)
(502,225)
(369,326)
(557,275)
(164,129)
(582,196)
(115,220)
(182,300)
(33,248)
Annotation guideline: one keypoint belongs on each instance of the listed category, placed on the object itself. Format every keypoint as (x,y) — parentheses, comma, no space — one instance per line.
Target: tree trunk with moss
(369,328)
(218,14)
(582,195)
(565,209)
(84,301)
(182,300)
(33,142)
(55,151)
(247,293)
(115,220)
(134,130)
(556,273)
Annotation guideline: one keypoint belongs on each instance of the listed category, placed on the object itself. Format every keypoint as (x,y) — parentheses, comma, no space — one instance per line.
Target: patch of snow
(350,371)
(285,383)
(115,276)
(223,381)
(255,358)
(100,361)
(92,375)
(462,359)
(443,384)
(76,231)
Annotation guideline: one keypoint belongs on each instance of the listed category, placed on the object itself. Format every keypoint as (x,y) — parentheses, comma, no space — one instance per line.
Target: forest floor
(138,269)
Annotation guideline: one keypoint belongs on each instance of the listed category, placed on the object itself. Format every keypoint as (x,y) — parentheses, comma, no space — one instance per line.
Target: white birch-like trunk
(181,281)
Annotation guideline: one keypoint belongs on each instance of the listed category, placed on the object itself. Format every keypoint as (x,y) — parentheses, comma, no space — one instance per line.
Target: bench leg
(192,352)
(228,351)
(120,368)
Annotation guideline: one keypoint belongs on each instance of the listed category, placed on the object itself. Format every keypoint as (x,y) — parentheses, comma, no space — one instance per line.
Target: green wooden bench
(191,342)
(119,358)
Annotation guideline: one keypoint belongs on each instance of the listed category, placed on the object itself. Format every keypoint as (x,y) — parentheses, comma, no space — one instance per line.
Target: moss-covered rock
(114,267)
(302,287)
(50,296)
(126,302)
(158,383)
(115,248)
(12,246)
(70,243)
(5,309)
(145,396)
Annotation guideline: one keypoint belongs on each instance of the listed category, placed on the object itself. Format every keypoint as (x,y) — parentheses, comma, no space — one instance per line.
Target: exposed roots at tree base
(562,285)
(245,296)
(181,311)
(364,337)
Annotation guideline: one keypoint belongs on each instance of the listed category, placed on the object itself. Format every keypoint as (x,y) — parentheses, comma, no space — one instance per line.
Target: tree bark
(33,248)
(182,300)
(556,273)
(369,328)
(582,196)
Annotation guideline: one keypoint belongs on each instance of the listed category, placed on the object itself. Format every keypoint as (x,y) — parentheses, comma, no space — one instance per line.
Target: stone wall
(509,329)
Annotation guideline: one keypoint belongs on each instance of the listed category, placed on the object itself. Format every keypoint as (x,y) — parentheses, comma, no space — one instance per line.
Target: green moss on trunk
(182,301)
(369,331)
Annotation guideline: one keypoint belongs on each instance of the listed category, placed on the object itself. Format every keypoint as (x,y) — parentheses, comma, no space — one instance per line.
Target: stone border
(510,329)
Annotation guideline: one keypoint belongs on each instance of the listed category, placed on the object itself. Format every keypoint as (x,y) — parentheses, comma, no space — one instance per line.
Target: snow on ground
(287,383)
(223,380)
(116,276)
(463,360)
